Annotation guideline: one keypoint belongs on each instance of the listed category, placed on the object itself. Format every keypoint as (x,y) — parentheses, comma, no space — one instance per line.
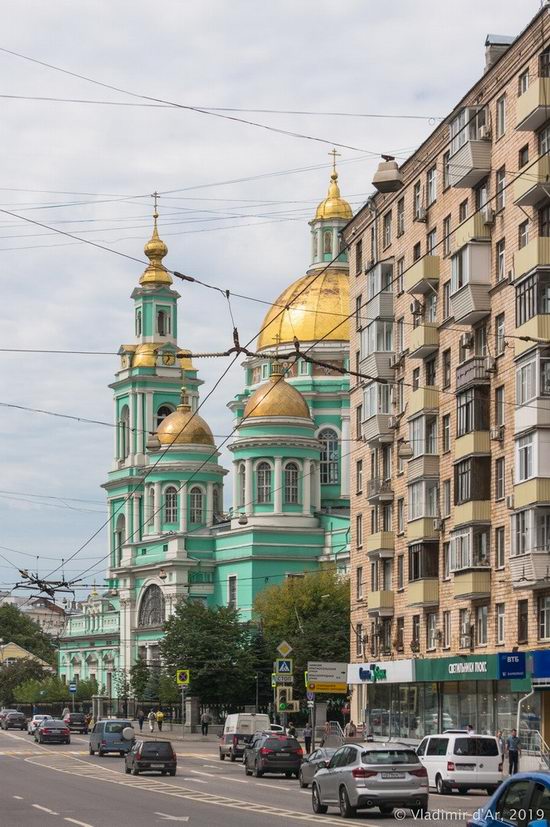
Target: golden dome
(182,427)
(277,398)
(314,314)
(334,206)
(155,250)
(145,356)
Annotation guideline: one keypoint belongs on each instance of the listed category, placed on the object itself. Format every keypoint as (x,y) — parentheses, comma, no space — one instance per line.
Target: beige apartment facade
(450,489)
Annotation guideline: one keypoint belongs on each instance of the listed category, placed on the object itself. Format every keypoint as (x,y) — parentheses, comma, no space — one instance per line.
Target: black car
(155,756)
(271,752)
(77,722)
(14,720)
(52,731)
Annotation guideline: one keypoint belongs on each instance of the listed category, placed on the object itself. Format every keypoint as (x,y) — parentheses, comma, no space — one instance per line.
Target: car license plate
(157,766)
(393,775)
(284,754)
(465,766)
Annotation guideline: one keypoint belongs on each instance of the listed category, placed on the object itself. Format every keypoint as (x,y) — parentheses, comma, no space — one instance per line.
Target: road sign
(182,677)
(282,679)
(284,649)
(321,672)
(284,666)
(328,688)
(310,695)
(72,687)
(310,704)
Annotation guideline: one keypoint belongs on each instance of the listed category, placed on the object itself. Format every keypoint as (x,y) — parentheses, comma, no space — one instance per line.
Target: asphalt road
(61,785)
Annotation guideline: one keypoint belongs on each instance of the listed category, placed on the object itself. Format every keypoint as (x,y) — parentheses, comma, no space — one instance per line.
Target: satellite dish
(128,733)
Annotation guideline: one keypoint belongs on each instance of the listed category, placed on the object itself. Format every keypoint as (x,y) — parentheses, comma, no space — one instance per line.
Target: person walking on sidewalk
(160,719)
(206,720)
(350,730)
(152,718)
(307,738)
(140,718)
(513,747)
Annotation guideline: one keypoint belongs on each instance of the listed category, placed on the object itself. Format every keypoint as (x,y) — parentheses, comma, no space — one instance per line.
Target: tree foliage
(16,627)
(49,689)
(86,689)
(216,647)
(15,674)
(139,678)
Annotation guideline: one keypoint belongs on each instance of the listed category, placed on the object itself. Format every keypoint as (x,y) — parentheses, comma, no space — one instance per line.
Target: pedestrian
(291,730)
(160,719)
(470,730)
(308,732)
(140,718)
(326,733)
(152,718)
(350,730)
(206,720)
(513,747)
(500,740)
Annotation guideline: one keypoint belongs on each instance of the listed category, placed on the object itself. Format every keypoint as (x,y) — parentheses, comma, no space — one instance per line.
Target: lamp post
(257,676)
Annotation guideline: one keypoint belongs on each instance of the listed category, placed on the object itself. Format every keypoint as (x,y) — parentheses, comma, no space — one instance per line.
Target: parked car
(237,727)
(4,712)
(310,764)
(521,799)
(106,736)
(14,720)
(77,722)
(457,761)
(147,756)
(52,731)
(35,721)
(361,776)
(272,752)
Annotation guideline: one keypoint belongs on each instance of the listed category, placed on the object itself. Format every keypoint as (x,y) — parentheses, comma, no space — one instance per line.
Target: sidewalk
(174,734)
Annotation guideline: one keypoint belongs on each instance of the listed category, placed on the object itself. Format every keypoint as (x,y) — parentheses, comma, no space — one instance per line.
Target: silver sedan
(310,764)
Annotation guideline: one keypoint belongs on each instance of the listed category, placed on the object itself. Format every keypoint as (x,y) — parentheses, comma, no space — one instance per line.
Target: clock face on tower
(168,359)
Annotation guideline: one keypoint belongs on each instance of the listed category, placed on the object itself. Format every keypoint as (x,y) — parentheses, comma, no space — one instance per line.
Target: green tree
(85,689)
(139,678)
(216,647)
(15,674)
(312,613)
(17,627)
(169,691)
(47,690)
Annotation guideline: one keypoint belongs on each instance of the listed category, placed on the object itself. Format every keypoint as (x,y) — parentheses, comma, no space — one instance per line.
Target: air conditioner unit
(466,340)
(396,360)
(421,215)
(510,501)
(416,307)
(490,364)
(485,132)
(488,216)
(497,434)
(393,421)
(437,524)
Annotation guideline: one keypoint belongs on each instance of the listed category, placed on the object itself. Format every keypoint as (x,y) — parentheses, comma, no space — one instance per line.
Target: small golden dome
(314,314)
(145,356)
(182,427)
(334,206)
(155,250)
(277,398)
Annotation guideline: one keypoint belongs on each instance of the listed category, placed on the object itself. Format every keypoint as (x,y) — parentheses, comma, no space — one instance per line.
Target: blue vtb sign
(511,665)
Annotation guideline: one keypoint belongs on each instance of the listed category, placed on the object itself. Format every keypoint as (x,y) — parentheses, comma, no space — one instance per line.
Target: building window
(523,82)
(463,211)
(501,116)
(291,483)
(329,457)
(359,476)
(138,323)
(358,257)
(526,382)
(358,421)
(303,367)
(500,188)
(431,242)
(446,164)
(359,640)
(499,547)
(430,371)
(500,340)
(446,432)
(400,516)
(423,499)
(463,478)
(400,335)
(431,185)
(417,252)
(163,412)
(447,235)
(481,625)
(400,571)
(446,359)
(263,474)
(417,199)
(499,479)
(523,621)
(446,561)
(524,457)
(446,300)
(423,561)
(387,229)
(500,253)
(358,305)
(544,617)
(171,505)
(464,628)
(500,614)
(447,498)
(416,630)
(265,370)
(446,630)
(163,323)
(499,406)
(232,591)
(327,242)
(431,630)
(400,285)
(359,530)
(400,216)
(523,156)
(523,234)
(124,430)
(152,607)
(196,503)
(532,297)
(416,379)
(472,411)
(544,64)
(359,583)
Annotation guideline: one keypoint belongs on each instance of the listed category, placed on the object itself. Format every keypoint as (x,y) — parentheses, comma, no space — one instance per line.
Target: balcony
(423,529)
(423,275)
(532,106)
(380,306)
(376,429)
(537,327)
(530,570)
(472,585)
(475,511)
(425,465)
(423,399)
(534,415)
(380,603)
(476,228)
(472,372)
(424,341)
(379,490)
(423,592)
(536,253)
(476,442)
(381,544)
(377,365)
(532,492)
(531,187)
(470,164)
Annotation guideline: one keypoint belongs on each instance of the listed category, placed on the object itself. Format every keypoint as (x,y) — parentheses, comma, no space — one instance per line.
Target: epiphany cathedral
(169,536)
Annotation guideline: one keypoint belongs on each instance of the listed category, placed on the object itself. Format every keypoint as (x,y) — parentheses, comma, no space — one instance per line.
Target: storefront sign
(467,668)
(541,663)
(511,666)
(392,671)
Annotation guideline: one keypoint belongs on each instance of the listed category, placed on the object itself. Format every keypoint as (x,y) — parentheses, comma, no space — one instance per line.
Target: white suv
(456,760)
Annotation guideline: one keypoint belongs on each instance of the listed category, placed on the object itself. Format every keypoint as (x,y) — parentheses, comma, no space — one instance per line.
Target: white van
(458,761)
(236,728)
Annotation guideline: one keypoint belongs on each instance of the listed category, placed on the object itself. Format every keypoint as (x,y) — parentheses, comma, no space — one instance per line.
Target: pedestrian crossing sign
(182,677)
(284,666)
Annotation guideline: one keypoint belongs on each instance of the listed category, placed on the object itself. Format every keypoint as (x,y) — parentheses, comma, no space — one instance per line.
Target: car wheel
(90,750)
(163,772)
(317,807)
(462,790)
(385,809)
(135,771)
(122,753)
(222,756)
(172,773)
(232,756)
(440,786)
(346,810)
(257,773)
(303,784)
(288,775)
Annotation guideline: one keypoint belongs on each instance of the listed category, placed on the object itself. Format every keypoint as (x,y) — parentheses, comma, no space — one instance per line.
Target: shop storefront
(413,698)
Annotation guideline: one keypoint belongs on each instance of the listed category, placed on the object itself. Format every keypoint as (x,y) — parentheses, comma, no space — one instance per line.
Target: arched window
(163,412)
(124,432)
(329,456)
(242,485)
(263,473)
(216,510)
(120,536)
(291,483)
(151,508)
(171,505)
(314,246)
(196,505)
(138,322)
(327,242)
(151,610)
(162,323)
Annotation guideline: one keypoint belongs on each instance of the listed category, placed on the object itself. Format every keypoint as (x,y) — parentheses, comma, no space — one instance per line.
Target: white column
(149,420)
(183,507)
(209,503)
(345,448)
(249,495)
(127,522)
(158,507)
(131,425)
(136,528)
(140,442)
(235,501)
(317,486)
(306,488)
(278,486)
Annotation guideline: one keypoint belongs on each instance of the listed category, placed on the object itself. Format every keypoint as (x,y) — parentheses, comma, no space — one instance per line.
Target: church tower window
(242,485)
(163,412)
(124,432)
(120,536)
(327,242)
(329,456)
(196,505)
(163,323)
(264,482)
(138,323)
(216,501)
(171,505)
(151,508)
(291,483)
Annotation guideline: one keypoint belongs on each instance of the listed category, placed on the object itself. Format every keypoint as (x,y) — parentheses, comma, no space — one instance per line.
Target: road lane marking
(272,786)
(168,817)
(209,774)
(80,823)
(19,797)
(233,780)
(45,809)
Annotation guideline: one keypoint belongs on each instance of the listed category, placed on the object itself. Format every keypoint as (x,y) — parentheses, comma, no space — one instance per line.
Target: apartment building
(450,528)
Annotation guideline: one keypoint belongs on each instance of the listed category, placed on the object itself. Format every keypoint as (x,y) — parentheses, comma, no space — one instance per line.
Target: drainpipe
(520,704)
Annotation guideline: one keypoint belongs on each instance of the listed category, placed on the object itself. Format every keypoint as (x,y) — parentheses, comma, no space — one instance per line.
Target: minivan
(237,728)
(106,736)
(458,761)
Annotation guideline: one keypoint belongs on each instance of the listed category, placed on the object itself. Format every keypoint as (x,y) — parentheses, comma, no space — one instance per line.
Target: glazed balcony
(379,490)
(423,399)
(425,465)
(380,603)
(472,372)
(471,303)
(532,106)
(423,529)
(476,442)
(377,430)
(424,340)
(476,228)
(423,275)
(378,364)
(472,585)
(531,187)
(536,253)
(530,570)
(534,415)
(381,545)
(471,282)
(470,164)
(423,593)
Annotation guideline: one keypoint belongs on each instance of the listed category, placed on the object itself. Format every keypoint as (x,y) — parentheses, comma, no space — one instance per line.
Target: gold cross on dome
(277,339)
(334,154)
(155,196)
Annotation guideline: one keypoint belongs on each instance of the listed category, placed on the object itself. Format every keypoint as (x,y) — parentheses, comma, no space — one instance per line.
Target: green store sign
(469,668)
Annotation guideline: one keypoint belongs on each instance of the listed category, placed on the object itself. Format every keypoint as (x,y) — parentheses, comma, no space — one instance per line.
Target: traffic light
(282,699)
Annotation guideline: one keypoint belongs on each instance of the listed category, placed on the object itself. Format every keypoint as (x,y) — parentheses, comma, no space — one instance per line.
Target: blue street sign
(72,687)
(511,666)
(284,666)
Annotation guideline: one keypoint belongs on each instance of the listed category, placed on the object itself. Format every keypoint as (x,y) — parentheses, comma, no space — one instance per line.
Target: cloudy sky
(236,203)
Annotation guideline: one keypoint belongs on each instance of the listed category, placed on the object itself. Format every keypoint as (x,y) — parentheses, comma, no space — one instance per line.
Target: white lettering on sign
(476,666)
